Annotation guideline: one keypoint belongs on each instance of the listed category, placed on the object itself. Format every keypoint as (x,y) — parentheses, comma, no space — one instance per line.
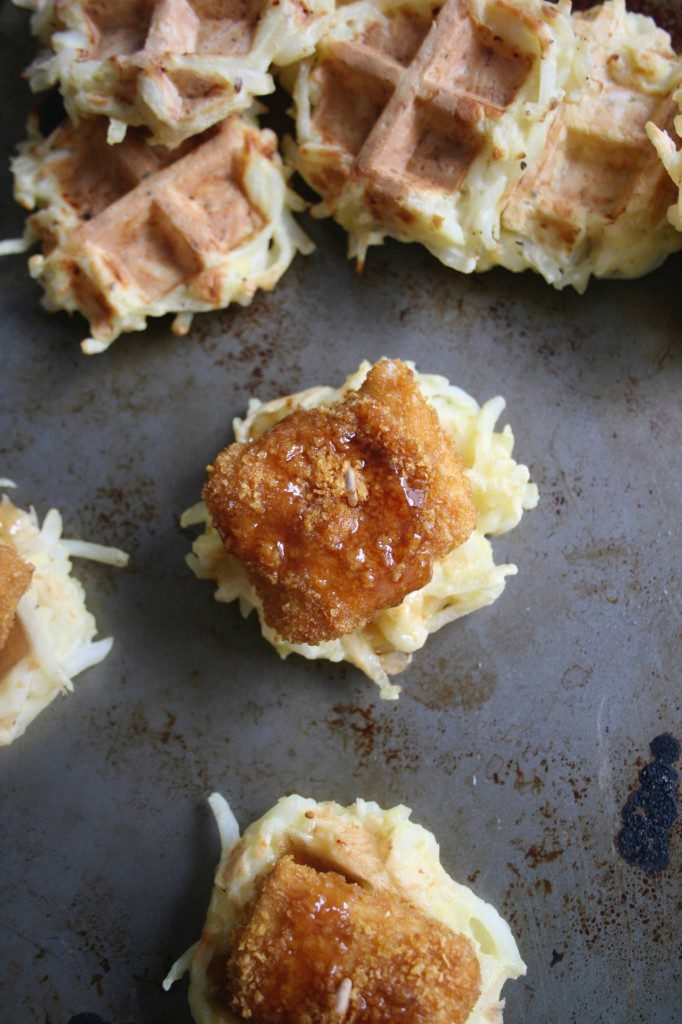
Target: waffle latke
(134,230)
(175,66)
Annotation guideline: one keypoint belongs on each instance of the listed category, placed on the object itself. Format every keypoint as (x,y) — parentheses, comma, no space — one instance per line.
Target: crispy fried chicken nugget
(15,579)
(316,948)
(339,512)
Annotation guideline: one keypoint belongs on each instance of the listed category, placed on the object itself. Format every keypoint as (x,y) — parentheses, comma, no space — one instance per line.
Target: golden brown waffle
(175,66)
(133,231)
(595,202)
(412,120)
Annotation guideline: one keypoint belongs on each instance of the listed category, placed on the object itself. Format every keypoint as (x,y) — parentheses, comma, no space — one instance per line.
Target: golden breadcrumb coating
(15,579)
(316,948)
(339,512)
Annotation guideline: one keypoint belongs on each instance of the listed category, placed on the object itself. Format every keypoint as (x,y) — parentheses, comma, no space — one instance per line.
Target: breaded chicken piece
(339,512)
(316,948)
(15,579)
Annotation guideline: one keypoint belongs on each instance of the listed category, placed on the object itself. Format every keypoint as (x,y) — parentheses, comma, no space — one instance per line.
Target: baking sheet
(520,729)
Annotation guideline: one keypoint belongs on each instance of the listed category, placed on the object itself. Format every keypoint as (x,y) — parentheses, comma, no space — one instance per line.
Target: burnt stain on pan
(249,345)
(121,514)
(562,873)
(651,810)
(122,732)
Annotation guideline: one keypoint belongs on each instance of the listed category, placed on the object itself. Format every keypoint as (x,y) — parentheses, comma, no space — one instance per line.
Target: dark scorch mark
(650,811)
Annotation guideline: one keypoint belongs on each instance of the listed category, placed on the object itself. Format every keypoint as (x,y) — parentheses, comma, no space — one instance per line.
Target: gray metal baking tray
(520,730)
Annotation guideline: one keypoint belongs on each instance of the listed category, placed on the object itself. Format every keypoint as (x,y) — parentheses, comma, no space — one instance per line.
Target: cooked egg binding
(53,636)
(464,580)
(380,849)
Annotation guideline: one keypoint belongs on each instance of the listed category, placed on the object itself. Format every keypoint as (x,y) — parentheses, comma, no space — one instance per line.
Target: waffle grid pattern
(435,125)
(415,119)
(598,176)
(174,66)
(133,230)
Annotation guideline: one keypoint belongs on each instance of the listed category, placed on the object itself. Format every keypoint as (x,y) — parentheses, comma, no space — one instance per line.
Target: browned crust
(15,579)
(308,931)
(321,565)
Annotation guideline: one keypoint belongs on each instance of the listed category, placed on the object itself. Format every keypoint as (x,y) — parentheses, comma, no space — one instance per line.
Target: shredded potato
(385,848)
(463,581)
(257,262)
(637,69)
(458,225)
(285,31)
(671,156)
(58,627)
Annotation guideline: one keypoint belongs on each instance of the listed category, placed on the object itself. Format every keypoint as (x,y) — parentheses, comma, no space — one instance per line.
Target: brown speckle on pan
(452,686)
(541,855)
(374,735)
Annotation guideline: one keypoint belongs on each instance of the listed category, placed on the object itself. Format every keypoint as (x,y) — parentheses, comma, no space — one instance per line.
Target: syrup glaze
(325,559)
(316,947)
